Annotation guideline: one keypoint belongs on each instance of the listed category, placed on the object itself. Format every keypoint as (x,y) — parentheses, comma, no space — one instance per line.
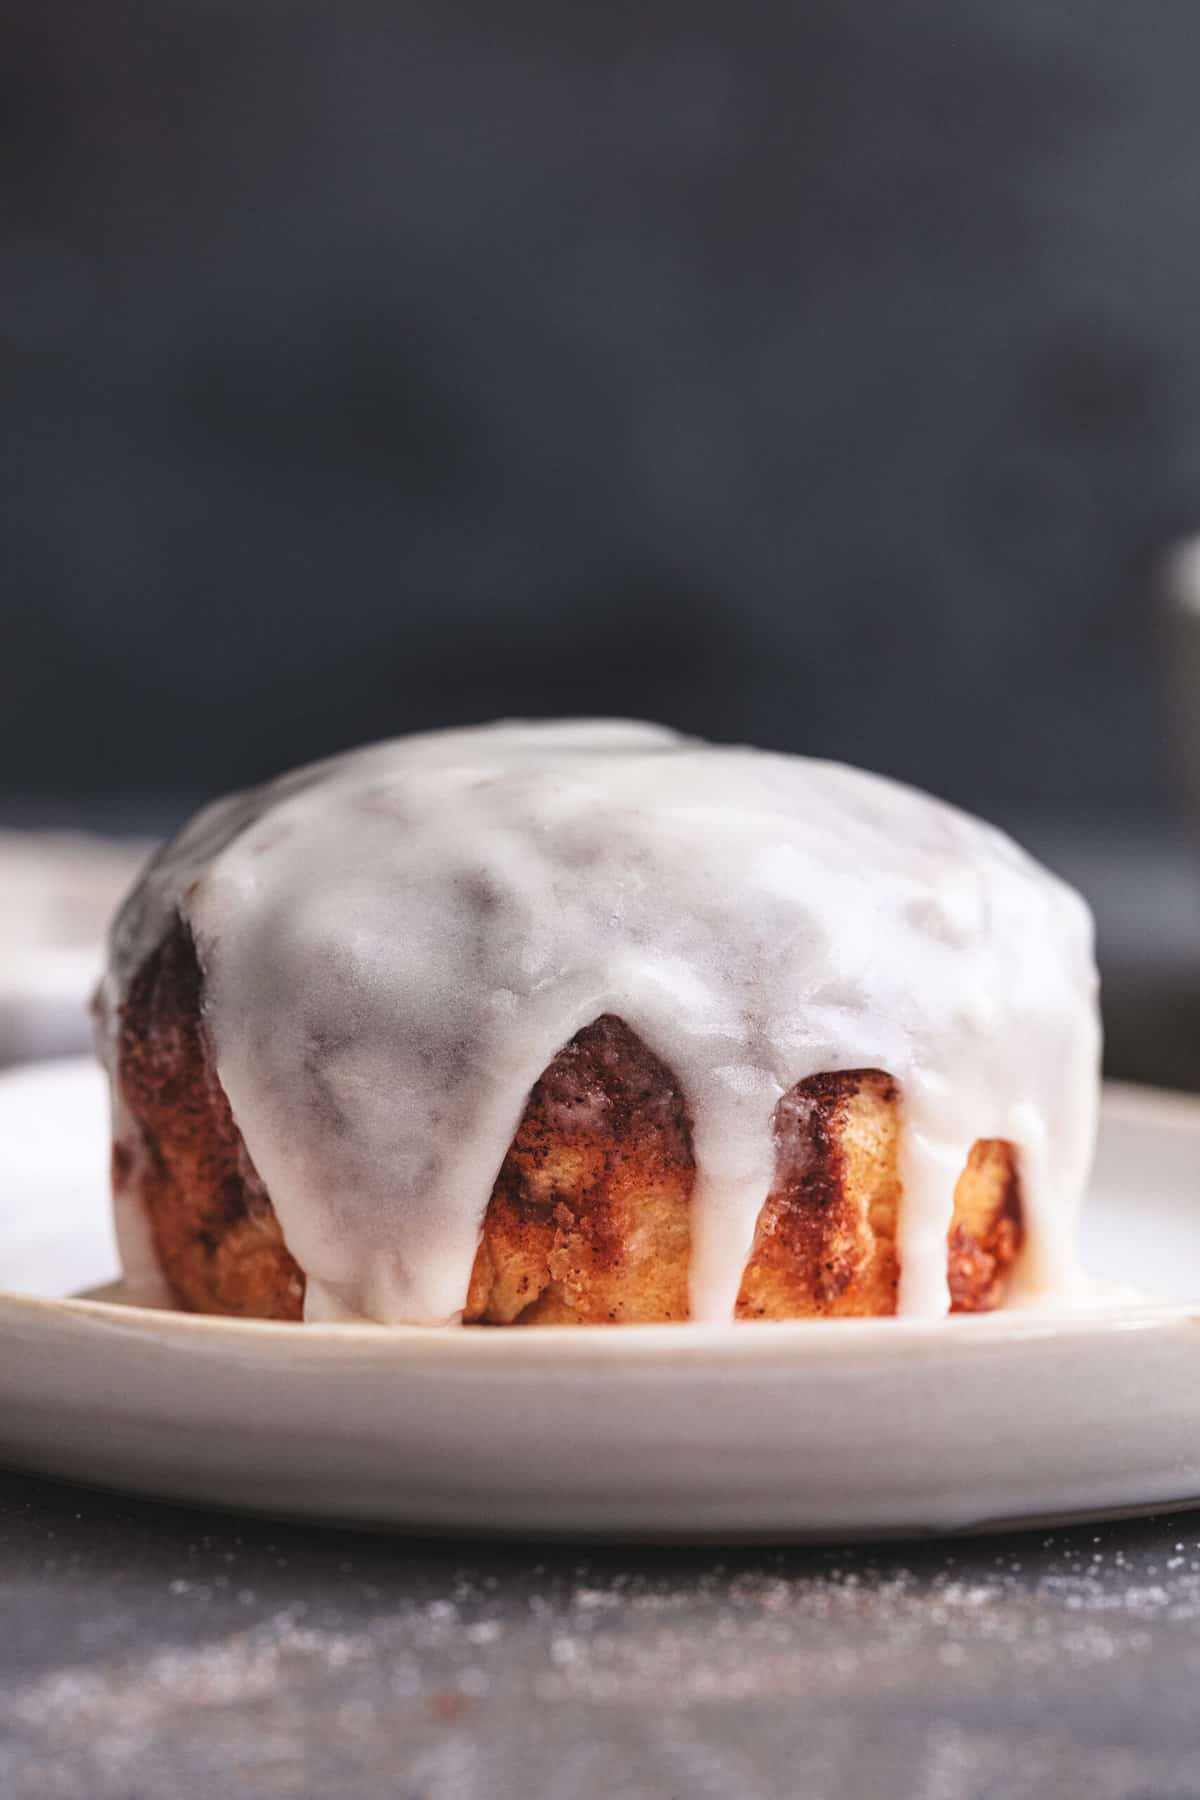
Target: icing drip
(398,941)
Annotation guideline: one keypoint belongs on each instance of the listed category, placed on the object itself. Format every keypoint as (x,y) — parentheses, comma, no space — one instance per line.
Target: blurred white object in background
(1181,588)
(58,891)
(54,1145)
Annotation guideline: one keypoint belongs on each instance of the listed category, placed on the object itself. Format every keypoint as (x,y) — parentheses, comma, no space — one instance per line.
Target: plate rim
(823,1342)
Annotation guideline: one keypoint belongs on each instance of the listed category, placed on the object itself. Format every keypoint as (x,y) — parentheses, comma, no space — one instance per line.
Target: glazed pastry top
(396,942)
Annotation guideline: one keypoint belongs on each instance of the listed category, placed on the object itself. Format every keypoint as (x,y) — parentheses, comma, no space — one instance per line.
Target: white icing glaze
(396,943)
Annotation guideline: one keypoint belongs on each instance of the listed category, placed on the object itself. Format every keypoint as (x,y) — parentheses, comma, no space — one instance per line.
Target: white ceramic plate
(676,1430)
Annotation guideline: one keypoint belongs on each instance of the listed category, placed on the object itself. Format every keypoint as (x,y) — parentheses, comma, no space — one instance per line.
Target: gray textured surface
(148,1652)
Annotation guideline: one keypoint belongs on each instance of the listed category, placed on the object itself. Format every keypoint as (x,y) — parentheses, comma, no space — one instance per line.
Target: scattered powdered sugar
(397,942)
(996,1668)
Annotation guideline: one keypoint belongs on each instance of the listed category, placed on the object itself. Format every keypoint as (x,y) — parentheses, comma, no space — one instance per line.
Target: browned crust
(987,1232)
(589,1219)
(826,1238)
(213,1226)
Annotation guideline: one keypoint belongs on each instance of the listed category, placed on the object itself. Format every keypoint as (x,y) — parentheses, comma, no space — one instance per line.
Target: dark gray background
(827,375)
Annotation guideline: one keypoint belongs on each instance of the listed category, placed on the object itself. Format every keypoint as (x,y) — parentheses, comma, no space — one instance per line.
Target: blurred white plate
(58,891)
(779,1430)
